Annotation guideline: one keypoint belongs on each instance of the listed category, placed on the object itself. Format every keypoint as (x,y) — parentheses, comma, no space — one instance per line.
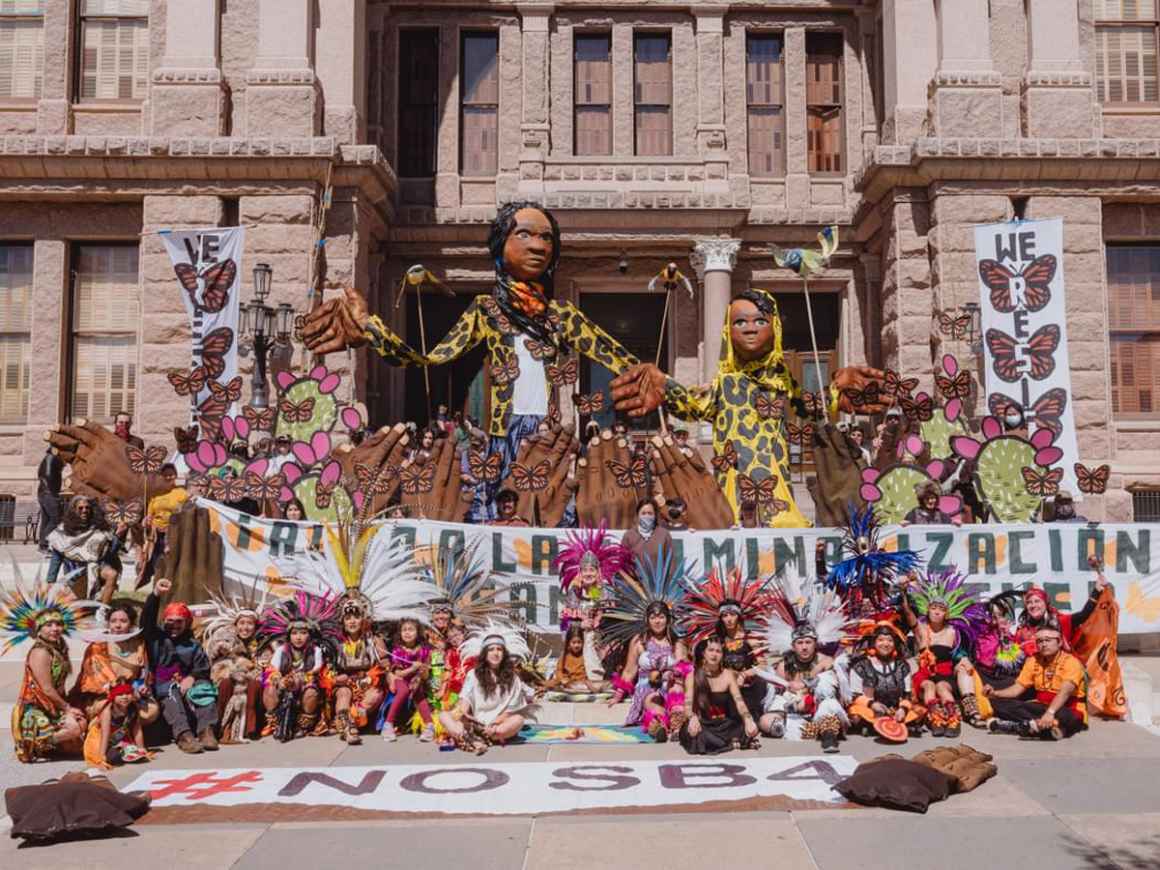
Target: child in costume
(571,675)
(407,678)
(307,634)
(587,563)
(116,737)
(238,656)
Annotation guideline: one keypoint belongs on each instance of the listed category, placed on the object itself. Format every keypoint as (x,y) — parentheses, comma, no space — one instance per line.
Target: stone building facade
(656,130)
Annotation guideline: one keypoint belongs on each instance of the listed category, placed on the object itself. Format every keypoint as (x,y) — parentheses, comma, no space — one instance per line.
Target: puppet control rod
(671,278)
(417,276)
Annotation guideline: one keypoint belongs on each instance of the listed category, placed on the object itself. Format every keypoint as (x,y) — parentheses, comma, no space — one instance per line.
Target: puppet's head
(525,243)
(753,329)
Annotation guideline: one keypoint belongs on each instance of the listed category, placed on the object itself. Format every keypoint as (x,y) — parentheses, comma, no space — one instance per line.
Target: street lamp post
(264,326)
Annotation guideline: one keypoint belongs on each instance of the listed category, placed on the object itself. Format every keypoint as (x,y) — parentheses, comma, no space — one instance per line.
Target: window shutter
(21,58)
(654,74)
(481,69)
(653,131)
(418,102)
(16,262)
(593,71)
(480,146)
(766,141)
(824,75)
(763,71)
(824,132)
(106,311)
(593,130)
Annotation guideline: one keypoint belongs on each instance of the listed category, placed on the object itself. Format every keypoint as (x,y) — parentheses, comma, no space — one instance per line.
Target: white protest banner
(1022,295)
(486,788)
(994,557)
(208,265)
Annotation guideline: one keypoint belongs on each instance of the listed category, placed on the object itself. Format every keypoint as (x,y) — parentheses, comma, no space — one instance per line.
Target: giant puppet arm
(100,463)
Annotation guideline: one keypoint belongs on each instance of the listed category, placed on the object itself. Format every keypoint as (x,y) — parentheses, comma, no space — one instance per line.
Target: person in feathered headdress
(494,703)
(307,634)
(995,659)
(866,573)
(44,723)
(879,660)
(587,563)
(946,618)
(377,580)
(237,658)
(803,620)
(643,619)
(115,654)
(732,609)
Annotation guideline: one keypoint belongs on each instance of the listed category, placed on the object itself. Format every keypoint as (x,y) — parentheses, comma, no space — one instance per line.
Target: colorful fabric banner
(1024,320)
(995,557)
(208,265)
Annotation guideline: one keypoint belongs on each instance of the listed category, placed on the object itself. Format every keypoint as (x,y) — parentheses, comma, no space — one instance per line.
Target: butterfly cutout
(590,404)
(958,387)
(501,320)
(531,479)
(776,506)
(564,374)
(768,407)
(214,348)
(1045,411)
(1031,285)
(505,372)
(262,488)
(186,439)
(227,489)
(634,474)
(227,393)
(1092,481)
(813,402)
(210,414)
(375,481)
(871,395)
(1040,353)
(485,468)
(762,492)
(300,412)
(218,279)
(123,513)
(800,434)
(188,383)
(260,418)
(147,461)
(920,409)
(1042,483)
(418,478)
(894,385)
(539,350)
(726,459)
(323,494)
(956,326)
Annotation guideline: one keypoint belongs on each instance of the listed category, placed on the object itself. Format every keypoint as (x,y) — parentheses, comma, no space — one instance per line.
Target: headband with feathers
(23,610)
(492,632)
(461,575)
(798,610)
(965,613)
(867,570)
(703,604)
(658,583)
(251,601)
(591,545)
(317,613)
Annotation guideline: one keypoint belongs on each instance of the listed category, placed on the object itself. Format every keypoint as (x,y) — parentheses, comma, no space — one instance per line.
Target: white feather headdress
(801,608)
(251,601)
(493,632)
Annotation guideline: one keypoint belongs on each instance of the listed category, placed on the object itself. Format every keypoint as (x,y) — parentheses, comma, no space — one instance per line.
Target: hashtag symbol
(203,785)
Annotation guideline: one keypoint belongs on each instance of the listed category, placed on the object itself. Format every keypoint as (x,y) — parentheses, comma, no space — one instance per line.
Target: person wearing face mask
(1063,509)
(649,537)
(123,428)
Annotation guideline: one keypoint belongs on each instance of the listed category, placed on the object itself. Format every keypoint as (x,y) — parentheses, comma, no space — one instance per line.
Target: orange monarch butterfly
(919,409)
(218,279)
(188,383)
(263,488)
(768,407)
(485,468)
(894,385)
(1040,353)
(726,459)
(564,374)
(127,513)
(539,350)
(958,387)
(532,479)
(813,402)
(590,404)
(800,434)
(260,418)
(1093,481)
(760,491)
(323,493)
(228,393)
(300,412)
(227,489)
(861,398)
(1036,283)
(954,326)
(375,481)
(214,348)
(1042,483)
(506,372)
(1045,411)
(147,461)
(634,475)
(186,438)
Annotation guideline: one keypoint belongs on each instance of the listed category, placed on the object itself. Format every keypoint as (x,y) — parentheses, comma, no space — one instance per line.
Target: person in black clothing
(716,718)
(48,482)
(180,672)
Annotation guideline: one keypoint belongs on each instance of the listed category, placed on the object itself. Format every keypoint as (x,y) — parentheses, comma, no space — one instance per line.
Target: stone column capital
(535,17)
(714,255)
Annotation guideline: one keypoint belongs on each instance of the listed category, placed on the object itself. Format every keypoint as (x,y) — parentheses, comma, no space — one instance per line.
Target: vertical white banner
(208,266)
(1022,294)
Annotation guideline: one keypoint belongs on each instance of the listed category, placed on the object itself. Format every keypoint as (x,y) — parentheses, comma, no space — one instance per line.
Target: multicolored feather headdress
(721,592)
(318,614)
(461,575)
(965,613)
(24,610)
(867,571)
(658,585)
(493,632)
(591,547)
(251,602)
(799,609)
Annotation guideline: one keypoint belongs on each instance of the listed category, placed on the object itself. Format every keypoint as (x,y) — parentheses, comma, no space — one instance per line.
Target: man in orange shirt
(1057,709)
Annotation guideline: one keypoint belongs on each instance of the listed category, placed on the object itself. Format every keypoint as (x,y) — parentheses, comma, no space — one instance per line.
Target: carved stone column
(281,89)
(714,260)
(967,92)
(535,26)
(1058,101)
(189,95)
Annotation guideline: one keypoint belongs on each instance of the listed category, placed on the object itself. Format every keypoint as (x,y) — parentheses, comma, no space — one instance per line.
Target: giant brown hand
(639,391)
(543,481)
(688,478)
(373,466)
(856,379)
(100,463)
(433,488)
(337,324)
(602,498)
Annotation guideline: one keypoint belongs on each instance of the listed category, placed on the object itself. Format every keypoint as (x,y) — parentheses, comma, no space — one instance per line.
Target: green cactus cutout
(998,471)
(323,417)
(306,491)
(937,432)
(897,485)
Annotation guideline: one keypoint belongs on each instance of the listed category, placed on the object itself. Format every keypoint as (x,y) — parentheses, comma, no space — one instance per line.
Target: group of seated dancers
(713,660)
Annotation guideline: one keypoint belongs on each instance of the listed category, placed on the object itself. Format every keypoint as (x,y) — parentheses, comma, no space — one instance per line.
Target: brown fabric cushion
(74,806)
(896,783)
(967,767)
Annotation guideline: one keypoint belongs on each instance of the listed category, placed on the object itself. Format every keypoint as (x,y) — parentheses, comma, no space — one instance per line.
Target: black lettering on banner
(721,553)
(833,551)
(752,557)
(497,561)
(1055,548)
(522,596)
(591,773)
(491,780)
(1015,562)
(300,781)
(246,535)
(210,247)
(981,548)
(555,597)
(283,538)
(452,541)
(782,553)
(686,775)
(1020,246)
(543,553)
(1019,319)
(678,551)
(903,541)
(1139,552)
(315,533)
(822,770)
(1088,542)
(942,542)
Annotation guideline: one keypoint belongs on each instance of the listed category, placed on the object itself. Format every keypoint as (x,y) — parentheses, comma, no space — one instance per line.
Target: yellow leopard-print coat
(483,321)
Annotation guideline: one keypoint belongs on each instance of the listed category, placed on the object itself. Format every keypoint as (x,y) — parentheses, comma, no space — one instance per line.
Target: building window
(15,330)
(764,93)
(1134,322)
(653,94)
(1126,35)
(1146,506)
(105,313)
(480,120)
(824,101)
(21,49)
(593,94)
(418,101)
(114,40)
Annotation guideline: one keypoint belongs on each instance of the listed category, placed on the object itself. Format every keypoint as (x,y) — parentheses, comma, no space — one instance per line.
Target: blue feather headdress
(24,610)
(867,571)
(658,583)
(467,585)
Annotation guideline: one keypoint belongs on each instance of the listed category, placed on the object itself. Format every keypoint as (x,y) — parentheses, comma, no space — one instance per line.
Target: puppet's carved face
(527,253)
(750,330)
